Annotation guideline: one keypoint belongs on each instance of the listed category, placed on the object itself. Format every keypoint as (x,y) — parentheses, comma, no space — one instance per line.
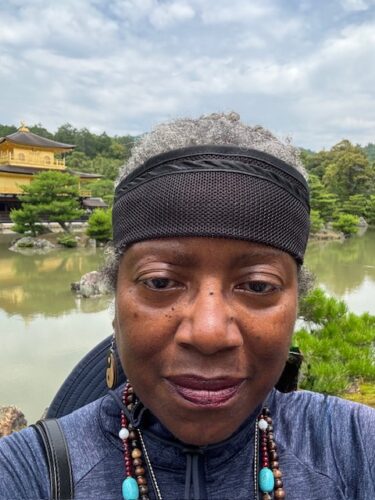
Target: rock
(362,222)
(91,284)
(11,420)
(30,245)
(327,234)
(91,243)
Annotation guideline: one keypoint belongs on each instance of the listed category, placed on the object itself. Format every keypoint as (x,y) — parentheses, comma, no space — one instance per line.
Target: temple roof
(12,169)
(26,138)
(94,203)
(84,175)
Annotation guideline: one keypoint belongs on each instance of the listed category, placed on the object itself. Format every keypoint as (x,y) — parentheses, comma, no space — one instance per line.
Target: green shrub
(316,222)
(100,225)
(318,308)
(347,223)
(67,240)
(337,345)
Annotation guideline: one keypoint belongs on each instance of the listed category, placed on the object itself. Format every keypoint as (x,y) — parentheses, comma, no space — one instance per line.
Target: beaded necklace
(268,482)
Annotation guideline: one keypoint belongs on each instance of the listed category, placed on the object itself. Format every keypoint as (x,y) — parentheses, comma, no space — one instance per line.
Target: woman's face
(203,328)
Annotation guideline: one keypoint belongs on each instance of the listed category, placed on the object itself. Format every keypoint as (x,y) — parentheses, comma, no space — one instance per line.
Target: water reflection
(39,284)
(345,267)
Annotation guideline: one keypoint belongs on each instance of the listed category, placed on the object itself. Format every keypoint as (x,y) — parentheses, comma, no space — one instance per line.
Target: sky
(305,69)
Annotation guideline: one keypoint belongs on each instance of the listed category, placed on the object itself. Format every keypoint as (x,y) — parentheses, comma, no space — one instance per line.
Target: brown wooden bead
(269,420)
(136,453)
(266,496)
(129,399)
(274,464)
(145,497)
(139,471)
(271,446)
(130,406)
(273,455)
(270,428)
(137,462)
(141,480)
(277,473)
(143,489)
(278,483)
(270,436)
(279,493)
(133,435)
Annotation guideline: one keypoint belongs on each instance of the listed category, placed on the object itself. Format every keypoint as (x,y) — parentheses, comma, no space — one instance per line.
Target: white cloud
(357,5)
(236,11)
(124,65)
(166,14)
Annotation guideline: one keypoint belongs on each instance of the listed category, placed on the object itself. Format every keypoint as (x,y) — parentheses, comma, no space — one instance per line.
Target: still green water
(45,329)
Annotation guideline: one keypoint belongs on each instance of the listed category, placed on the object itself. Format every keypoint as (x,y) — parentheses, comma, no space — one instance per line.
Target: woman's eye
(259,287)
(159,283)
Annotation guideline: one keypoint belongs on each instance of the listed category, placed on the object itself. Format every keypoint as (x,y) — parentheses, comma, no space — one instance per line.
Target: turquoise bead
(130,490)
(266,480)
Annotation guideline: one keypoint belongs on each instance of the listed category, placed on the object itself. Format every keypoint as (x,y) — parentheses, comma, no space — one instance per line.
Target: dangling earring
(111,371)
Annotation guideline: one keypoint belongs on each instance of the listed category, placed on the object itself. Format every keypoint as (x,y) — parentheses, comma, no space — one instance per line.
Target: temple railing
(8,158)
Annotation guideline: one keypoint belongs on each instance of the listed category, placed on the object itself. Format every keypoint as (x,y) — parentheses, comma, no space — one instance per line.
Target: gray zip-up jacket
(326,448)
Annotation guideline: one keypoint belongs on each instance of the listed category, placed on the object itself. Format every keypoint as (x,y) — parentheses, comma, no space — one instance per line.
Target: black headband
(214,191)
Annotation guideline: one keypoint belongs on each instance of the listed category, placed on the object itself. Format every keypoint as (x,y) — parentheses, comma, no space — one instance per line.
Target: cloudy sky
(303,68)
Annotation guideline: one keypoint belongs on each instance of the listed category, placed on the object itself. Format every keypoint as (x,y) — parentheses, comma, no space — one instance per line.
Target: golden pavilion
(23,154)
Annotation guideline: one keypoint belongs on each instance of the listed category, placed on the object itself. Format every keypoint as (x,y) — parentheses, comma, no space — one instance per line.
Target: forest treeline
(342,185)
(342,179)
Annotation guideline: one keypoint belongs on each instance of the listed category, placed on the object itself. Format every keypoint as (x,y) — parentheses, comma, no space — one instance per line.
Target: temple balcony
(85,193)
(31,160)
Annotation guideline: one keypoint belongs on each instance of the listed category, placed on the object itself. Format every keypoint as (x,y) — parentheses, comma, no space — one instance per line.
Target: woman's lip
(204,392)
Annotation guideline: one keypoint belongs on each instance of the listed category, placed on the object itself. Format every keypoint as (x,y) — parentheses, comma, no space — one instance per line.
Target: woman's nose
(210,324)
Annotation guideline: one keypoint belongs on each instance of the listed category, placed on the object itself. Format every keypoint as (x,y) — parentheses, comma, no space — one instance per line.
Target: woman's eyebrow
(256,254)
(174,258)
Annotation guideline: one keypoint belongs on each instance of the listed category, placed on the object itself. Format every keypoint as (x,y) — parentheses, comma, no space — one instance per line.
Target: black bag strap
(57,454)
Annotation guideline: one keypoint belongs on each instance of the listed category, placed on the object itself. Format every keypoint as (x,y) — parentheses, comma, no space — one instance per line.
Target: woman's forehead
(190,250)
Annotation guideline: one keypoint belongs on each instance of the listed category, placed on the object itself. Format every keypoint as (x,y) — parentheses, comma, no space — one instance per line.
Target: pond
(45,329)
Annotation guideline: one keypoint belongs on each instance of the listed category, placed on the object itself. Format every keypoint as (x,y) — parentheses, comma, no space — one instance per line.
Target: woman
(211,223)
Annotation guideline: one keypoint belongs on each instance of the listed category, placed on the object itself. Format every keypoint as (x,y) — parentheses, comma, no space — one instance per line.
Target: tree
(100,225)
(370,216)
(316,163)
(51,196)
(321,200)
(66,133)
(346,223)
(103,188)
(316,222)
(40,130)
(350,172)
(357,204)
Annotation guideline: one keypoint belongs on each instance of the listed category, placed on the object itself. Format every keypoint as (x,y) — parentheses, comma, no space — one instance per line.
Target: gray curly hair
(217,129)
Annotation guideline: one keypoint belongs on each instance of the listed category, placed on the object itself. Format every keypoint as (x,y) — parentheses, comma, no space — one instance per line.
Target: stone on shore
(92,284)
(29,245)
(11,420)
